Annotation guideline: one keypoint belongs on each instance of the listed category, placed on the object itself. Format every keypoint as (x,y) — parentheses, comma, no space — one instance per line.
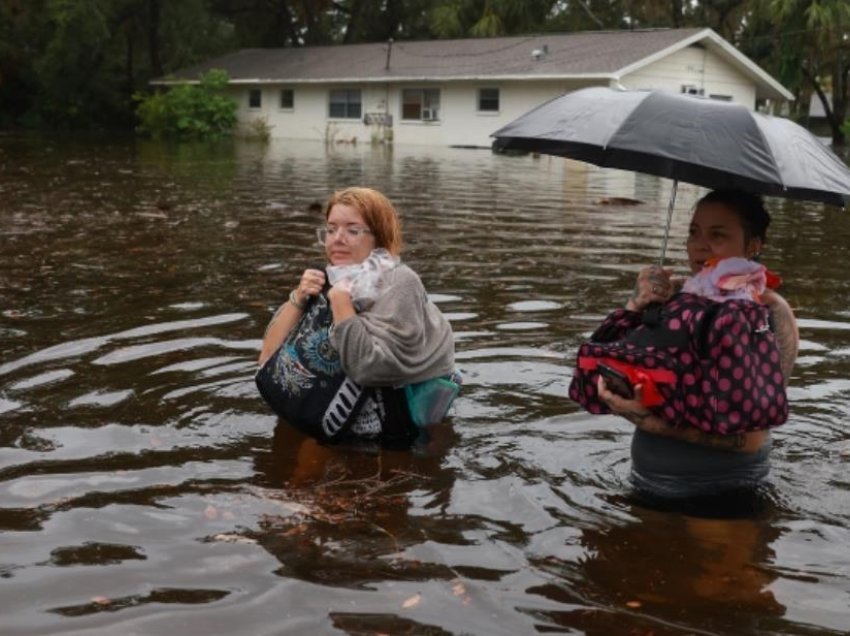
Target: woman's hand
(631,409)
(311,284)
(654,285)
(340,291)
(648,422)
(342,306)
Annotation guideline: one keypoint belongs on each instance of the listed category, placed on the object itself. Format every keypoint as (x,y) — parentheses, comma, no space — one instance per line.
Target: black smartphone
(616,381)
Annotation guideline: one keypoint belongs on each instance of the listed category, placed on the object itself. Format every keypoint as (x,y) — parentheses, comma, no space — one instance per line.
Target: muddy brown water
(146,489)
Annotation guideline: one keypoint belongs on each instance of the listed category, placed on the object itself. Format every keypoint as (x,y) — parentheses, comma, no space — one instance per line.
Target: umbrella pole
(670,207)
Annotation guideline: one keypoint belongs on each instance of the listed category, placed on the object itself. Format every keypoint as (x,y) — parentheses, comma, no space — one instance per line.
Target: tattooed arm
(646,421)
(785,327)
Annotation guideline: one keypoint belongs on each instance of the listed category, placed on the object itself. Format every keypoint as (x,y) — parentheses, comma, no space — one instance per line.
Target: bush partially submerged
(189,111)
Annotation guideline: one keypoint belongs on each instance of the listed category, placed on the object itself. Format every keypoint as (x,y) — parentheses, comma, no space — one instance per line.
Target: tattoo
(728,442)
(636,417)
(654,424)
(787,337)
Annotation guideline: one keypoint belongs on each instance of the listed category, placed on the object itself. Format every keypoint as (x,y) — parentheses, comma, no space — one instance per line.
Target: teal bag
(429,401)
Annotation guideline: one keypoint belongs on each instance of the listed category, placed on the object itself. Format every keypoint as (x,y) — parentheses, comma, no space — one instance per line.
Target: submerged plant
(188,111)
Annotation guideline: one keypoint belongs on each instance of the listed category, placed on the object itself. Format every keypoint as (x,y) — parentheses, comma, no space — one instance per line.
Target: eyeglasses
(349,232)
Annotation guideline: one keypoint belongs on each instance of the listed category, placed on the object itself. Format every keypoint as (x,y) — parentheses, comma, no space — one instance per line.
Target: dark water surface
(144,488)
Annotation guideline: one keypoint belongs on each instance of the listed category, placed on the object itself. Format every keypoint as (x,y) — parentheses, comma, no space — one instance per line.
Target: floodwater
(146,489)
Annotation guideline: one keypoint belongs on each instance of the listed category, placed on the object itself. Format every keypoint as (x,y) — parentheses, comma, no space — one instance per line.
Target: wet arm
(645,420)
(284,319)
(787,333)
(741,442)
(289,313)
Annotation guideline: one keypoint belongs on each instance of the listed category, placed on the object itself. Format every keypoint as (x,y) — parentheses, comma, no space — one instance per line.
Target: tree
(810,40)
(488,18)
(22,26)
(189,111)
(76,63)
(726,17)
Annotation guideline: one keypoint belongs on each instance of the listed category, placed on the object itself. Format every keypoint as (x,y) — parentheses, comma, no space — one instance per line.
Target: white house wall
(698,67)
(460,123)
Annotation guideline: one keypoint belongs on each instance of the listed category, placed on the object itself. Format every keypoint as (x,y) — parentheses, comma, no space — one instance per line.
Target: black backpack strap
(397,427)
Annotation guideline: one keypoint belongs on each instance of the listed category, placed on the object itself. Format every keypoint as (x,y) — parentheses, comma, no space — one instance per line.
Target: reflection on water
(144,485)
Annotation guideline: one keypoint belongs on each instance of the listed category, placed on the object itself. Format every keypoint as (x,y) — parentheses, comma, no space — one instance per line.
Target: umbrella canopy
(706,142)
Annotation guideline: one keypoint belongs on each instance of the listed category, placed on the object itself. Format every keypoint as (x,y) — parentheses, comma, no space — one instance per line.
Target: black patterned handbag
(304,383)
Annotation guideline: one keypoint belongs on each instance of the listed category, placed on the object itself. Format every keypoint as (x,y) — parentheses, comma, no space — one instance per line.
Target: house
(816,120)
(457,92)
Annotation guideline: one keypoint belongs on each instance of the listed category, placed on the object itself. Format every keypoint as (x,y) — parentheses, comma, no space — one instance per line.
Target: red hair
(378,212)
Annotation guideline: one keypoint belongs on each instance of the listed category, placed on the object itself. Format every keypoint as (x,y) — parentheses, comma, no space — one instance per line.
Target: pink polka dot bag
(708,364)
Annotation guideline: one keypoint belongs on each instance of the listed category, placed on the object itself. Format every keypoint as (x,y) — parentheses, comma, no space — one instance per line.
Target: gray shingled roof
(589,53)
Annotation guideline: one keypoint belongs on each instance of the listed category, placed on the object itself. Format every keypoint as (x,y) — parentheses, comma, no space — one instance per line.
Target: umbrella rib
(772,157)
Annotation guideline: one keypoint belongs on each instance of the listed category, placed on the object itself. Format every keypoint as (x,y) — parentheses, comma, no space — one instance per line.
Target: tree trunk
(129,66)
(839,101)
(285,25)
(831,118)
(154,11)
(352,27)
(676,12)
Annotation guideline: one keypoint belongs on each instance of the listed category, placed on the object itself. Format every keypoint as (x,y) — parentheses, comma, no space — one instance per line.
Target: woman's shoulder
(406,275)
(785,326)
(404,270)
(778,306)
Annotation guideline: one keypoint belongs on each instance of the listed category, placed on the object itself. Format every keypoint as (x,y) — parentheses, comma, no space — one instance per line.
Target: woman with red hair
(337,352)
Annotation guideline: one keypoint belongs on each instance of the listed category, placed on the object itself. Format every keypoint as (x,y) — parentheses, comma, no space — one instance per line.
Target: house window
(255,98)
(721,98)
(345,104)
(690,89)
(488,100)
(421,104)
(287,98)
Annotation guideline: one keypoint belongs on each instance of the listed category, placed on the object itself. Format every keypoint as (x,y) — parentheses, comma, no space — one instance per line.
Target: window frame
(433,107)
(280,103)
(348,104)
(479,98)
(258,92)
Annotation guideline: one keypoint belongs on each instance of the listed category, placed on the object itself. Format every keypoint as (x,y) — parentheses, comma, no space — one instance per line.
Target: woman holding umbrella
(679,462)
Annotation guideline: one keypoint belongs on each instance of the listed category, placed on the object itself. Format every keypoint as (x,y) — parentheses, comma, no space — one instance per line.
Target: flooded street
(145,487)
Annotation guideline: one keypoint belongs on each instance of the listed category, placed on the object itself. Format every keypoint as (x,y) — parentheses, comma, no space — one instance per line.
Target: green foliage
(488,18)
(188,111)
(806,47)
(78,63)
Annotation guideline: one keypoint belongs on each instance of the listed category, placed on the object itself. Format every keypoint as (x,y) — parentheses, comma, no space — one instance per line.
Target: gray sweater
(403,338)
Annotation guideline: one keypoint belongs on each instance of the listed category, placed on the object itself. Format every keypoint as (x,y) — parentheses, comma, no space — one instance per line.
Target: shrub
(189,111)
(259,128)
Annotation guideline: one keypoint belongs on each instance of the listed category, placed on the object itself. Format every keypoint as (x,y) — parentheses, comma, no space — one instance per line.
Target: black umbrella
(706,142)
